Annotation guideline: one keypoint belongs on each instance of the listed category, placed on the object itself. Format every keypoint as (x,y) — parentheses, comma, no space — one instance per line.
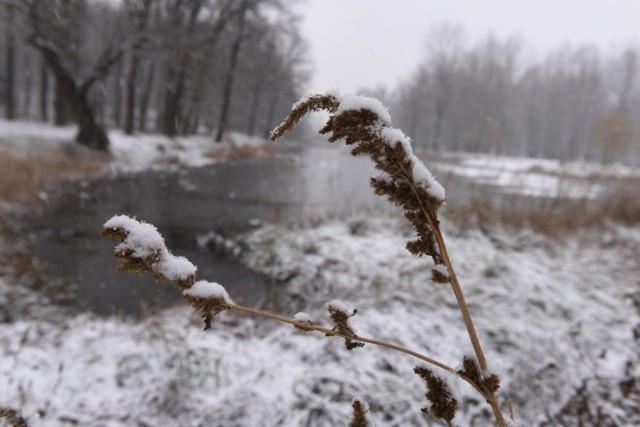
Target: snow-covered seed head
(209,299)
(340,314)
(405,181)
(13,417)
(488,382)
(440,274)
(142,249)
(360,415)
(442,403)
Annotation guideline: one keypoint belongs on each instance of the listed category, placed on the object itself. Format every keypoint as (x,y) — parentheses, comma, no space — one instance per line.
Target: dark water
(184,204)
(225,198)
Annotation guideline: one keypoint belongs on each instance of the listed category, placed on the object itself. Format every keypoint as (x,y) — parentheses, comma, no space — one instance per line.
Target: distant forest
(172,66)
(181,67)
(495,96)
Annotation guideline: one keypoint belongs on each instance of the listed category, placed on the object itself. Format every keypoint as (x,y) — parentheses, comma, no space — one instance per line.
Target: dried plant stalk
(365,123)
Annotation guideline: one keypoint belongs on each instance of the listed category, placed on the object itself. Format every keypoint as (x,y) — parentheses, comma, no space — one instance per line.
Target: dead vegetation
(22,179)
(551,217)
(251,152)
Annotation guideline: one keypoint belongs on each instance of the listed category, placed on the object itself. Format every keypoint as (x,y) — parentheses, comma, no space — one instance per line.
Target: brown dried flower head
(12,417)
(485,382)
(339,314)
(142,249)
(359,415)
(442,403)
(404,180)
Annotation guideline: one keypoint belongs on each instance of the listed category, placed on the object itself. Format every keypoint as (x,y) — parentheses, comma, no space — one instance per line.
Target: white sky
(366,43)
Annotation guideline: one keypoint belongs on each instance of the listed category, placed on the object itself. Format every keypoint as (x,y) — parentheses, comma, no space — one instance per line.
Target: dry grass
(551,217)
(21,179)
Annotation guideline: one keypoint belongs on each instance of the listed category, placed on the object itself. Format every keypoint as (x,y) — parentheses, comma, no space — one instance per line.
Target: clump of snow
(422,176)
(396,136)
(338,305)
(301,316)
(142,238)
(441,269)
(359,102)
(175,267)
(204,289)
(453,382)
(145,241)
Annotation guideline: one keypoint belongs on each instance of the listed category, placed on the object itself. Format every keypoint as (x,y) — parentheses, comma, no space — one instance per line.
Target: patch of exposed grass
(21,179)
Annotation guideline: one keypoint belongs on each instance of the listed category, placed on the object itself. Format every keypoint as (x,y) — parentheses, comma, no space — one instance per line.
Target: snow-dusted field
(557,319)
(556,315)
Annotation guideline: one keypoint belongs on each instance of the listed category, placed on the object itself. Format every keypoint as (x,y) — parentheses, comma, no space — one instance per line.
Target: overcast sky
(366,43)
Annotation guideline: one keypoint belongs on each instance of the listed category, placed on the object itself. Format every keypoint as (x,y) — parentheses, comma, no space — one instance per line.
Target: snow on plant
(14,419)
(404,180)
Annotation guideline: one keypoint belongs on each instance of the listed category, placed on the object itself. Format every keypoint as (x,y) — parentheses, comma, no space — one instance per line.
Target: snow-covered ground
(536,177)
(134,153)
(556,315)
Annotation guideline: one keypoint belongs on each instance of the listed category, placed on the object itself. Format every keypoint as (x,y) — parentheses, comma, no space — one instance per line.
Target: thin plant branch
(366,124)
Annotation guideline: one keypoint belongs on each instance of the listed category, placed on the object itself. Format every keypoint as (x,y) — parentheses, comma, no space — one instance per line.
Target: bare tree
(444,45)
(230,74)
(54,27)
(139,13)
(180,62)
(494,96)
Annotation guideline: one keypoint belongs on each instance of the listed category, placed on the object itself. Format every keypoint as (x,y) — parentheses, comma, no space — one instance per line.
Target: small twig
(335,332)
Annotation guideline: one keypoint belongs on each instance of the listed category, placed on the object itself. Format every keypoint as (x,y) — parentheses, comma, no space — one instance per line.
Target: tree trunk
(44,91)
(28,85)
(117,94)
(131,95)
(176,80)
(61,105)
(172,96)
(253,113)
(192,116)
(10,107)
(144,97)
(228,84)
(141,14)
(271,112)
(90,133)
(437,132)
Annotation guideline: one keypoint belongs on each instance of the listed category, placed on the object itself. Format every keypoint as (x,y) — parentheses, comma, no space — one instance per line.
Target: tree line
(495,96)
(172,66)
